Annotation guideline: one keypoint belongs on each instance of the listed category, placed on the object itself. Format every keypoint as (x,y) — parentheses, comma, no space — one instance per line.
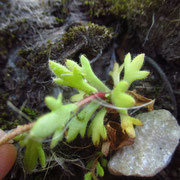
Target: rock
(162,40)
(155,143)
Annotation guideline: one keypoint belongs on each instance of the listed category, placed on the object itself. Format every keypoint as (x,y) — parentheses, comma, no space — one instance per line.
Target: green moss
(6,42)
(81,31)
(92,37)
(30,112)
(7,118)
(24,52)
(120,8)
(59,20)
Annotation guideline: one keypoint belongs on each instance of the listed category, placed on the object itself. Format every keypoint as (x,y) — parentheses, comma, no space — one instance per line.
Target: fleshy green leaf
(127,123)
(99,170)
(33,152)
(141,75)
(41,156)
(96,128)
(89,164)
(58,136)
(132,69)
(74,75)
(77,97)
(120,98)
(91,77)
(79,123)
(47,124)
(52,103)
(58,69)
(115,73)
(75,79)
(127,60)
(88,176)
(104,162)
(137,62)
(72,65)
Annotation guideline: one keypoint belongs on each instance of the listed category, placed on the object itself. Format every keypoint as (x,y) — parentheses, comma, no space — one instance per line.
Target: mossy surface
(7,116)
(92,37)
(33,60)
(120,8)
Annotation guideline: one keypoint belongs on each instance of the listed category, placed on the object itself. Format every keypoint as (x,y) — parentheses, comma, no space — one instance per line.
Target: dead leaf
(117,138)
(105,148)
(140,100)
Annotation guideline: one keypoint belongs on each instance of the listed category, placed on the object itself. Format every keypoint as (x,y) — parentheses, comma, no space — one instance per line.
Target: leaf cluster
(74,121)
(96,168)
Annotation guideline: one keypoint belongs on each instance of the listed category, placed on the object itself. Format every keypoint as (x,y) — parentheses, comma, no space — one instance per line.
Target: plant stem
(27,127)
(15,132)
(88,99)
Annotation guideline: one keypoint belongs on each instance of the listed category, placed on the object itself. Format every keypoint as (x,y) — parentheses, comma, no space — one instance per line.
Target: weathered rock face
(162,39)
(153,148)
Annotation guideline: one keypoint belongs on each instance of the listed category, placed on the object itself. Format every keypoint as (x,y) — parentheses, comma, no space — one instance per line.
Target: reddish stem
(88,99)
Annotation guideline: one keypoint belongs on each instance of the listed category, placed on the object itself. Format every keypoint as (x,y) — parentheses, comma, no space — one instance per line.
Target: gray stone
(154,146)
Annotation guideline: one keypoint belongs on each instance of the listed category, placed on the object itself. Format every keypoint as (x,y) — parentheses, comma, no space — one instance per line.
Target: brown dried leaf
(105,148)
(117,138)
(140,100)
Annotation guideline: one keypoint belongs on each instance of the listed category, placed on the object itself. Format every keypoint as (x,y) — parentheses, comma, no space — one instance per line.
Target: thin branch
(19,130)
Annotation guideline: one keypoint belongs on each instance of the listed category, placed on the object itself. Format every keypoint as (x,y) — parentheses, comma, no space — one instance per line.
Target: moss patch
(120,8)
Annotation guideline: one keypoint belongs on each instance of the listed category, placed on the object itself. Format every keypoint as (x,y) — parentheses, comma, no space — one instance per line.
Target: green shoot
(73,118)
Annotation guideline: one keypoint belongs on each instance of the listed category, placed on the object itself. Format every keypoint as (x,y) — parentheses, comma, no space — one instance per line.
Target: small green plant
(87,106)
(95,167)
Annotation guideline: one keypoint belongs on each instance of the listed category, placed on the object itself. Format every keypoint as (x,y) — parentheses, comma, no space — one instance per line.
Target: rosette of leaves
(119,95)
(83,78)
(74,117)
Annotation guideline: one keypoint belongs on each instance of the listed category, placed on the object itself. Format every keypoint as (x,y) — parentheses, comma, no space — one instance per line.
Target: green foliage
(116,73)
(96,128)
(132,72)
(70,78)
(99,170)
(87,80)
(95,169)
(103,162)
(88,176)
(33,152)
(91,77)
(79,123)
(78,97)
(54,121)
(132,68)
(119,95)
(67,118)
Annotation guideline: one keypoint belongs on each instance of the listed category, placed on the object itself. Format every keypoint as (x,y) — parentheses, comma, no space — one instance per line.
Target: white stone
(153,148)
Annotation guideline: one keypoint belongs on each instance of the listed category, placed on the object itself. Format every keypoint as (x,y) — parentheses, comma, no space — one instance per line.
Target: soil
(31,33)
